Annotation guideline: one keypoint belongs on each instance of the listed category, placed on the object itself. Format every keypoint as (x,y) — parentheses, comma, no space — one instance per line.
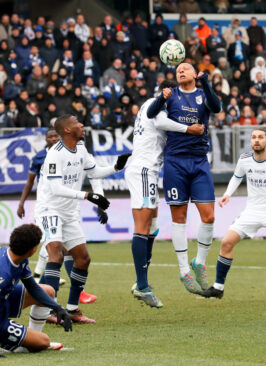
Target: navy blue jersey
(10,275)
(187,108)
(37,162)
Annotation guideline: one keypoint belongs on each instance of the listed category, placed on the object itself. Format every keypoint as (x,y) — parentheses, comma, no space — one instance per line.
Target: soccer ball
(172,52)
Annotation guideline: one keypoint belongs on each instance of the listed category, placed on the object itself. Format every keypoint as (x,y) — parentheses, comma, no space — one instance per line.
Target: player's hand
(98,200)
(167,93)
(63,318)
(224,200)
(103,217)
(202,75)
(195,129)
(20,211)
(121,161)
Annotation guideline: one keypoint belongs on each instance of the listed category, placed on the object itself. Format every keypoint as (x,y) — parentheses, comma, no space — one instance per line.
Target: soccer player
(14,297)
(142,180)
(58,209)
(186,169)
(253,166)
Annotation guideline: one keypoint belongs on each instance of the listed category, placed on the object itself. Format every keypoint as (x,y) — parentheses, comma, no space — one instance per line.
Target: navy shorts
(12,334)
(187,177)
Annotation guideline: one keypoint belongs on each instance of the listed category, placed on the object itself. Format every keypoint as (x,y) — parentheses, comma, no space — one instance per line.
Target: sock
(139,251)
(205,236)
(52,275)
(179,238)
(38,316)
(222,268)
(41,264)
(68,262)
(153,233)
(78,280)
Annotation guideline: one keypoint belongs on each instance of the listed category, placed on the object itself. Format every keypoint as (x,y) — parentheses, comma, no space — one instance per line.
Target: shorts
(187,177)
(56,228)
(12,334)
(143,187)
(248,223)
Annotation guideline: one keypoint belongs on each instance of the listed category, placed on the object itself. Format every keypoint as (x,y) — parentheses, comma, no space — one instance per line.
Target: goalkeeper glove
(98,200)
(63,318)
(103,217)
(121,161)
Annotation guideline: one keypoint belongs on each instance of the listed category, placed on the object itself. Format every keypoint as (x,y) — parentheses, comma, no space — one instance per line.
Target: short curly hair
(25,238)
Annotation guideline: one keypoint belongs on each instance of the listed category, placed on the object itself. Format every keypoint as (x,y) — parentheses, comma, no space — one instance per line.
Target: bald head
(186,75)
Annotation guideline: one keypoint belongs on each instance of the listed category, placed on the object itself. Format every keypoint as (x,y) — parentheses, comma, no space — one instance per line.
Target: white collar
(187,91)
(13,264)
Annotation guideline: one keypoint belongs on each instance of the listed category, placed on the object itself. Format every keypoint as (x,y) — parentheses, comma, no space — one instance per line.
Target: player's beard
(260,151)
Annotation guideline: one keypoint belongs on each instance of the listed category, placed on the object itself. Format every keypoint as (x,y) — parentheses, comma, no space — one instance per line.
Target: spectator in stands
(109,29)
(159,79)
(158,33)
(143,95)
(255,98)
(256,35)
(96,118)
(218,120)
(131,116)
(74,44)
(194,48)
(259,66)
(112,92)
(4,51)
(5,27)
(62,100)
(3,76)
(68,63)
(64,78)
(30,116)
(120,48)
(23,50)
(39,38)
(36,83)
(225,68)
(261,118)
(234,103)
(103,104)
(79,109)
(125,102)
(33,60)
(49,53)
(14,39)
(5,120)
(28,29)
(12,111)
(85,67)
(40,21)
(217,77)
(115,118)
(90,91)
(50,93)
(22,100)
(97,38)
(188,6)
(259,84)
(238,51)
(222,6)
(238,81)
(53,33)
(231,116)
(150,75)
(12,88)
(12,64)
(206,65)
(260,51)
(82,30)
(216,45)
(262,104)
(49,114)
(115,71)
(203,31)
(247,116)
(63,28)
(244,73)
(234,27)
(140,35)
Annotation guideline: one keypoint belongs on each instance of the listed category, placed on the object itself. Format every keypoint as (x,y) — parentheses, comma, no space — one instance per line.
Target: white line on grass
(113,264)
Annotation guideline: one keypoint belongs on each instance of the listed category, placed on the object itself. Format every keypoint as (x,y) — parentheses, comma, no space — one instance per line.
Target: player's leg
(41,264)
(154,230)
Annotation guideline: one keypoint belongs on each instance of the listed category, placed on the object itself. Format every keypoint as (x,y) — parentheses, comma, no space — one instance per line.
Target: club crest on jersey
(52,168)
(153,199)
(199,99)
(53,230)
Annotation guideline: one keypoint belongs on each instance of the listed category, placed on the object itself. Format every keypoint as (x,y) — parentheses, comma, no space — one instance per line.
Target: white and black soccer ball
(172,52)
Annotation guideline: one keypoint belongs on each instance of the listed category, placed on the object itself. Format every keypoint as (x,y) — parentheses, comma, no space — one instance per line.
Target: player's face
(77,129)
(258,141)
(52,138)
(185,73)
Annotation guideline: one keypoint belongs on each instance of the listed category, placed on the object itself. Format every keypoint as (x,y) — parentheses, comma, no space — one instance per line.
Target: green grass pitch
(187,331)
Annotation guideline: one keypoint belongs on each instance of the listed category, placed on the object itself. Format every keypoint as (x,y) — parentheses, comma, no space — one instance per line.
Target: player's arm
(233,184)
(43,298)
(213,102)
(162,122)
(26,191)
(159,103)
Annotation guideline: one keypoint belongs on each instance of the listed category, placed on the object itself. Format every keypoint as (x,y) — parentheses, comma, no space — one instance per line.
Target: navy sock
(78,280)
(68,262)
(139,251)
(222,268)
(149,248)
(52,275)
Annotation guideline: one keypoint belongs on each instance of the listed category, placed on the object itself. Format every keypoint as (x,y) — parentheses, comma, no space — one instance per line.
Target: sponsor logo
(250,171)
(69,164)
(189,118)
(52,168)
(189,109)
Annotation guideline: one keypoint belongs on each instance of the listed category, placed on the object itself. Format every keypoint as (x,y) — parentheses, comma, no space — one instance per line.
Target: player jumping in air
(142,180)
(253,166)
(14,297)
(58,209)
(186,169)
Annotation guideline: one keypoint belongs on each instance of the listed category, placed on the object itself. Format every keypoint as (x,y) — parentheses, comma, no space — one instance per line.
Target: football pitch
(187,331)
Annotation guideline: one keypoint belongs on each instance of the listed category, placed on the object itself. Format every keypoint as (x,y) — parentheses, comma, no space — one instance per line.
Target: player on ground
(253,166)
(14,297)
(186,169)
(58,208)
(142,180)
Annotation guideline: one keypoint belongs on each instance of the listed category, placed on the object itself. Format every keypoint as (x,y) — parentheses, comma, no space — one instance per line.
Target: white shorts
(248,223)
(143,187)
(56,228)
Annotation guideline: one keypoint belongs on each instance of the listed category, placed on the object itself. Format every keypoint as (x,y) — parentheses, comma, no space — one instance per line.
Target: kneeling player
(14,297)
(142,180)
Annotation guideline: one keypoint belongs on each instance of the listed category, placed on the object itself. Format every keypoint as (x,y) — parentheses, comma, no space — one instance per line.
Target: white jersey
(255,172)
(148,141)
(68,167)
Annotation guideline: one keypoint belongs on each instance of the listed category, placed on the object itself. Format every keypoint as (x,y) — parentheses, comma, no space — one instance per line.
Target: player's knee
(82,262)
(226,246)
(208,219)
(50,291)
(55,252)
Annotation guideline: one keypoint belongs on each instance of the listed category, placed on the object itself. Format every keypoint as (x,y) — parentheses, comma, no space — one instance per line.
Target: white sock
(38,316)
(154,225)
(42,260)
(179,238)
(219,286)
(205,236)
(71,307)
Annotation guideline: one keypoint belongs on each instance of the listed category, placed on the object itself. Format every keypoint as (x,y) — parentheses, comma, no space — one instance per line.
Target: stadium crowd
(104,74)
